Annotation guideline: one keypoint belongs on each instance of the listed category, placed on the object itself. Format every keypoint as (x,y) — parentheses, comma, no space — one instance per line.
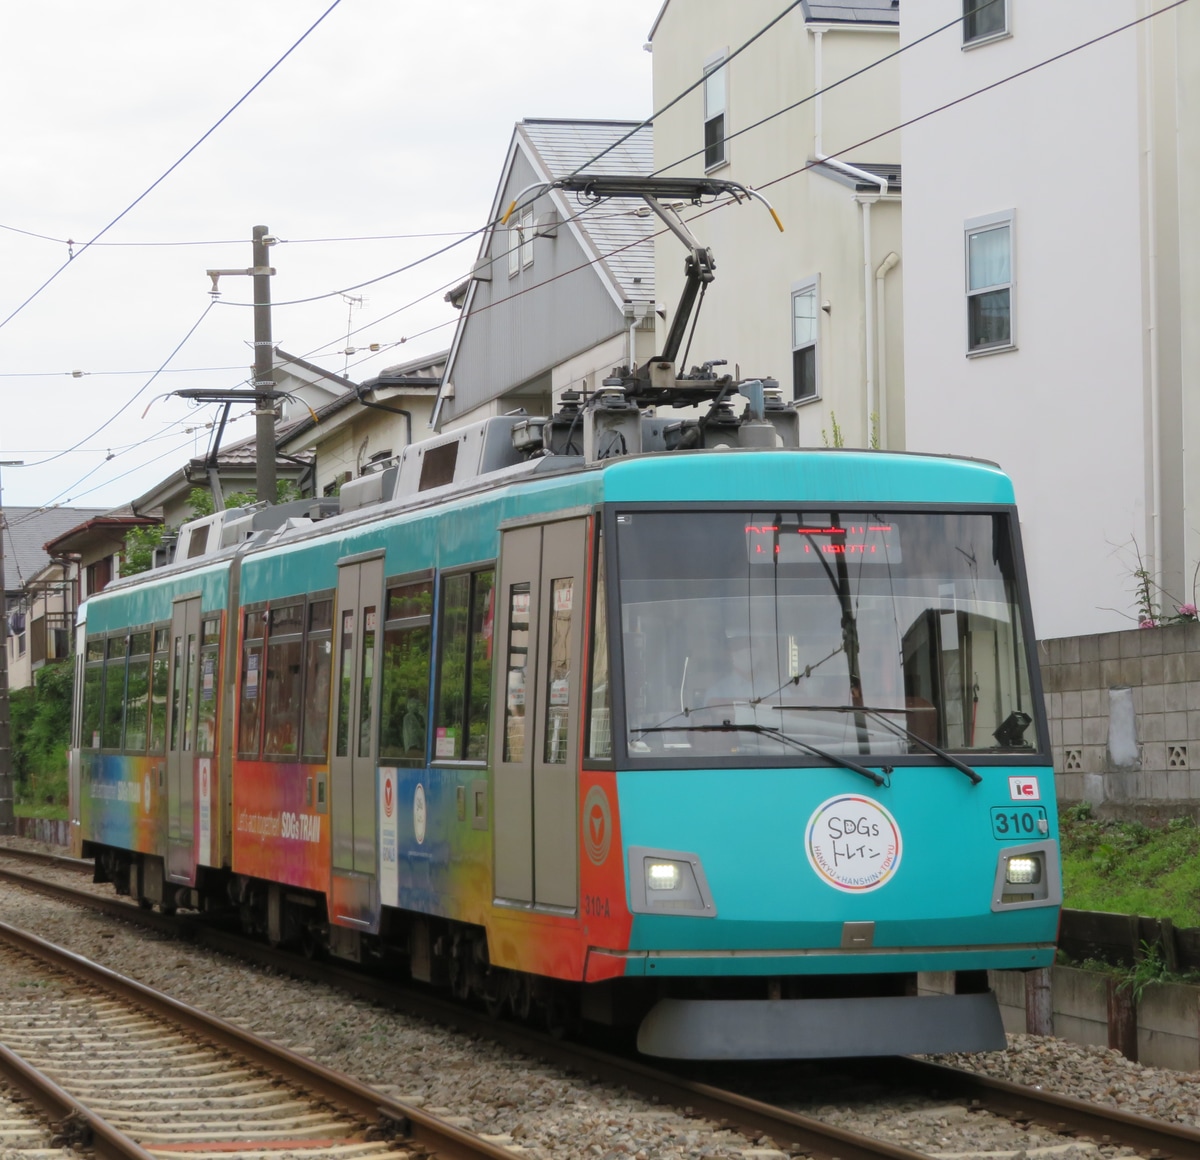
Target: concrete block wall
(1124,713)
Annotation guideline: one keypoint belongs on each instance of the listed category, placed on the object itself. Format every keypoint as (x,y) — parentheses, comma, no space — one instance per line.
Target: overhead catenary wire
(839,153)
(175,165)
(810,165)
(129,402)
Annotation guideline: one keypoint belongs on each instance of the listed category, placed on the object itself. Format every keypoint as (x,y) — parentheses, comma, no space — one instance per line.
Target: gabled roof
(423,372)
(26,529)
(609,233)
(560,148)
(91,531)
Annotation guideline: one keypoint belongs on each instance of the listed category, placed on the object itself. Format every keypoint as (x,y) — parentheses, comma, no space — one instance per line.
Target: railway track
(1068,1119)
(129,1073)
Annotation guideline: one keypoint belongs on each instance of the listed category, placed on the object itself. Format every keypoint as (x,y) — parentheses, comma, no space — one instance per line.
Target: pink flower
(1188,610)
(1147,622)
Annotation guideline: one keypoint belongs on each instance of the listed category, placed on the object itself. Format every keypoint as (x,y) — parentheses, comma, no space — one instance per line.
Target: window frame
(718,61)
(466,698)
(405,625)
(804,287)
(1001,33)
(975,227)
(526,236)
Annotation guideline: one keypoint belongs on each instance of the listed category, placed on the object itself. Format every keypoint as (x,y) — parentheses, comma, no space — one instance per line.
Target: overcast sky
(391,118)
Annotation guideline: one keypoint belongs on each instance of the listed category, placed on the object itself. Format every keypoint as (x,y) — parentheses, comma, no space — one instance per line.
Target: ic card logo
(1024,789)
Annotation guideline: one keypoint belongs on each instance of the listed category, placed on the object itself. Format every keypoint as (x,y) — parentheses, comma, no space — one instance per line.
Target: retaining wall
(1124,712)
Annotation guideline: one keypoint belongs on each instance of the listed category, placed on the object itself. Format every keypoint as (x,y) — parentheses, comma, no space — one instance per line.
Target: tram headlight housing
(668,882)
(1027,876)
(1024,871)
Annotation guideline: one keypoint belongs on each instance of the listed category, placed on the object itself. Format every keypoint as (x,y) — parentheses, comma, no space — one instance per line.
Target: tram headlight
(663,876)
(1023,871)
(668,882)
(1027,876)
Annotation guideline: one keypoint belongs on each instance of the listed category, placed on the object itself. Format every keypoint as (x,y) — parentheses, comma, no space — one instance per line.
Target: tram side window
(93,694)
(281,693)
(318,671)
(210,640)
(159,672)
(599,740)
(137,697)
(464,666)
(114,693)
(406,639)
(249,703)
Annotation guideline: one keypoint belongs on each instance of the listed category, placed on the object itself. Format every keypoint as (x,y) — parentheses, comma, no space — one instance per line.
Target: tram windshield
(859,634)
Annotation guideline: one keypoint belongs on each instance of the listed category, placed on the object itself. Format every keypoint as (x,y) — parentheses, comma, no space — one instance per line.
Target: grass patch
(1128,868)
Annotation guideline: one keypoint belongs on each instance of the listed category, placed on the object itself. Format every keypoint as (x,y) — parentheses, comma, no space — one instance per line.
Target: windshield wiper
(775,735)
(895,726)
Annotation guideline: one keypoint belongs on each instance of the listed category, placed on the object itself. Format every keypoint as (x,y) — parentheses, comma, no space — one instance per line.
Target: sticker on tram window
(1022,822)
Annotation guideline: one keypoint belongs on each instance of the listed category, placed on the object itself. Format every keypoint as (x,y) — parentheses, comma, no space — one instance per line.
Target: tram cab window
(406,642)
(752,634)
(599,738)
(464,667)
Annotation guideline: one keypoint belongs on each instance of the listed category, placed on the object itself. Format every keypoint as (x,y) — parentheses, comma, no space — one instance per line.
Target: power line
(125,406)
(154,185)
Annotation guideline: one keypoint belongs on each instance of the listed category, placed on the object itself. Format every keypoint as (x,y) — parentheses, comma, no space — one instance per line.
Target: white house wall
(1067,412)
(746,315)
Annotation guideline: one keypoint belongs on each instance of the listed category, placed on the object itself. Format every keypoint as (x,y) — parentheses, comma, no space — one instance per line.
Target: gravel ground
(547,1114)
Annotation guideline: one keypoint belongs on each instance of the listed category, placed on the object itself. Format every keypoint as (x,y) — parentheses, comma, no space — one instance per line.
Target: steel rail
(1061,1114)
(75,1120)
(429,1132)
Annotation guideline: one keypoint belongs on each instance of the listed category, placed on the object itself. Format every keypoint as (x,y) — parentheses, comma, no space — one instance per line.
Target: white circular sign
(853,843)
(419,813)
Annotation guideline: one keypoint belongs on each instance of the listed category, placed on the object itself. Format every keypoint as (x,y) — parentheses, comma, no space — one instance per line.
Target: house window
(804,340)
(514,248)
(984,20)
(715,106)
(527,238)
(989,260)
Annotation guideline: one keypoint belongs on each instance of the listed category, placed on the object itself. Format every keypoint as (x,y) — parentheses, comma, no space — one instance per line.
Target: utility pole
(8,821)
(263,383)
(264,373)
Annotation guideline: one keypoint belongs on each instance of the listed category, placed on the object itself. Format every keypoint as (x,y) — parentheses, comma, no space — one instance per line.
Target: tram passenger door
(352,805)
(184,700)
(537,715)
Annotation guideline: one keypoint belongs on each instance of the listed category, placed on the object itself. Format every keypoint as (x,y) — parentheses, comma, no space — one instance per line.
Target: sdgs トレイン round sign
(853,843)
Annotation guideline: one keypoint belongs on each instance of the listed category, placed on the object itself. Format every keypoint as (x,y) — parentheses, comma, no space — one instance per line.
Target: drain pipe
(885,267)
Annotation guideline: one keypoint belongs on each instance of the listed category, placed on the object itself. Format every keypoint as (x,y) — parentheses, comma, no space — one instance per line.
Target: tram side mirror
(1011,733)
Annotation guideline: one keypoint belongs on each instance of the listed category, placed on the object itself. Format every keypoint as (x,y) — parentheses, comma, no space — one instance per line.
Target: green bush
(1129,868)
(41,733)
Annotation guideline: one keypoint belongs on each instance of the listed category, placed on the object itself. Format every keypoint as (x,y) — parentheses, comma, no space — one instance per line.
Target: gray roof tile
(615,228)
(26,529)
